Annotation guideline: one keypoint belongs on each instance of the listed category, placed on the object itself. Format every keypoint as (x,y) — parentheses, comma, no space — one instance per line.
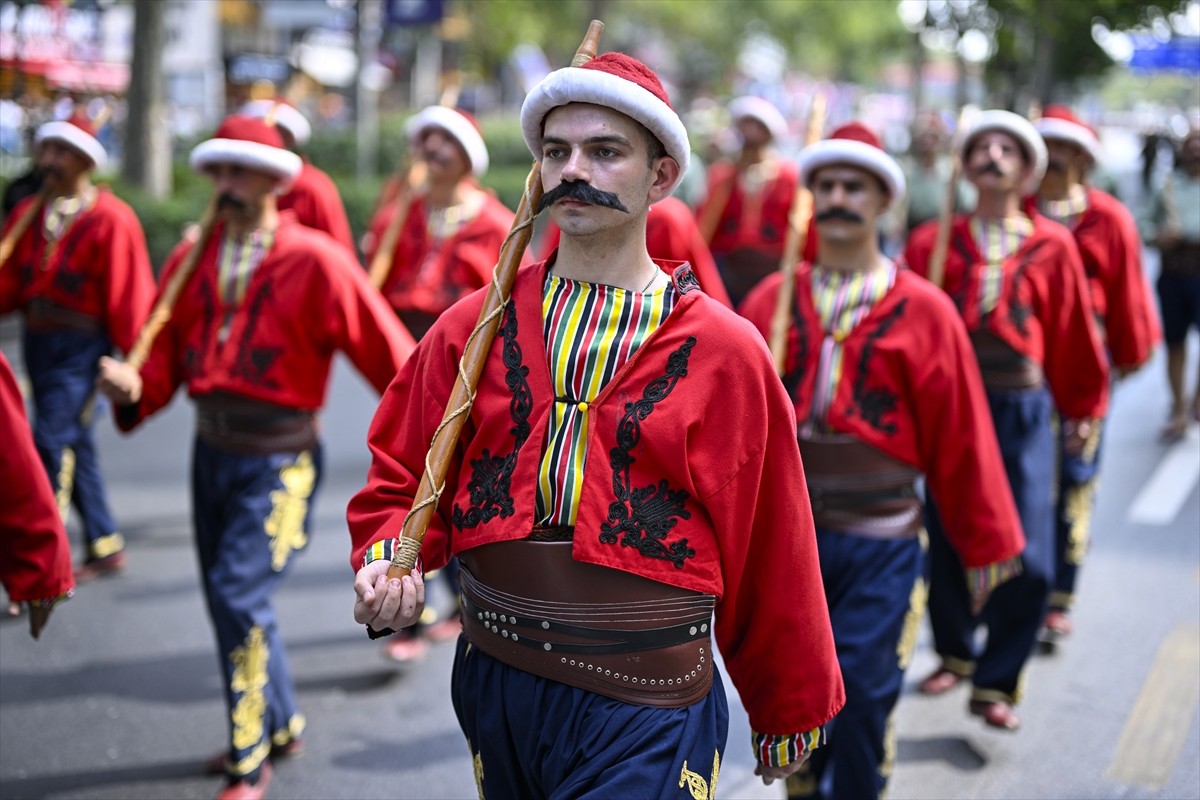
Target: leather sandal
(941,681)
(996,714)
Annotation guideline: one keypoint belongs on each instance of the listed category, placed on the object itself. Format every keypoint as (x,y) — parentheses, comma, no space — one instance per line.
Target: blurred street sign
(250,67)
(413,12)
(1180,54)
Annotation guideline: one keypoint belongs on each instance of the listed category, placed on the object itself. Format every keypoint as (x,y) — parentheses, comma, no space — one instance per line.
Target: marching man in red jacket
(628,492)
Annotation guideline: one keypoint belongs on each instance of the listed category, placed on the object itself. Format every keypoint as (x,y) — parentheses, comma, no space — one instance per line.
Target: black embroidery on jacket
(490,487)
(193,354)
(1018,311)
(643,517)
(791,378)
(69,279)
(873,402)
(252,363)
(685,280)
(959,295)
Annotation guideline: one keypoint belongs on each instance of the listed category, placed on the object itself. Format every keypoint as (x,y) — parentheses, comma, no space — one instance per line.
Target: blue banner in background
(412,12)
(1181,54)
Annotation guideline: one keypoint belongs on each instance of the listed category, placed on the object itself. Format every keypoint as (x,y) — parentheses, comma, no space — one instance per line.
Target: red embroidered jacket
(1044,311)
(705,441)
(315,199)
(35,556)
(910,387)
(306,300)
(756,221)
(99,268)
(671,235)
(428,281)
(1111,249)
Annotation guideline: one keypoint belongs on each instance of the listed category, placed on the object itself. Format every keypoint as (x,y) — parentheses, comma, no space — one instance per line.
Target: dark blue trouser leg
(537,739)
(1015,610)
(252,514)
(62,370)
(876,600)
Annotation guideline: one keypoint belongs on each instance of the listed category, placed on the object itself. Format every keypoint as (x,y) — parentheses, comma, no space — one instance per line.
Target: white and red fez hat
(1015,126)
(855,145)
(1060,123)
(250,143)
(459,124)
(616,81)
(750,107)
(76,132)
(286,116)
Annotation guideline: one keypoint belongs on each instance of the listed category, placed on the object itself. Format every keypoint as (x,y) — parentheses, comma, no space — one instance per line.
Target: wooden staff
(941,245)
(166,302)
(797,234)
(22,225)
(474,357)
(381,262)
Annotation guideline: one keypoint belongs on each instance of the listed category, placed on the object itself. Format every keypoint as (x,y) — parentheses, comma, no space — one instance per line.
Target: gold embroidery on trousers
(697,787)
(1078,513)
(293,731)
(477,765)
(106,546)
(289,507)
(66,483)
(912,623)
(88,412)
(249,679)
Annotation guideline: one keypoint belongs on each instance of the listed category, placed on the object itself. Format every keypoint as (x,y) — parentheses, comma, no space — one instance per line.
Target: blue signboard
(1180,54)
(413,12)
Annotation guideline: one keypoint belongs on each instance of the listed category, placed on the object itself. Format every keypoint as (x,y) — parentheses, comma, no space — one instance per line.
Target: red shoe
(100,567)
(406,650)
(941,681)
(995,713)
(244,790)
(444,630)
(216,764)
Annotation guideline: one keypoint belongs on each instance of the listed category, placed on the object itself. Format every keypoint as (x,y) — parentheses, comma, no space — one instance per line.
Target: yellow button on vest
(582,406)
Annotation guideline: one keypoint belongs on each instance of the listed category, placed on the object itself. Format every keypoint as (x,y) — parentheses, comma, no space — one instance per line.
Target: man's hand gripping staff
(392,595)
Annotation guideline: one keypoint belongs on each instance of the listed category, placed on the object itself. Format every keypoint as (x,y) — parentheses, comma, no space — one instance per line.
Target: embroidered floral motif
(289,509)
(193,354)
(252,363)
(490,487)
(959,294)
(1020,311)
(873,403)
(249,679)
(685,280)
(699,788)
(797,341)
(643,517)
(67,280)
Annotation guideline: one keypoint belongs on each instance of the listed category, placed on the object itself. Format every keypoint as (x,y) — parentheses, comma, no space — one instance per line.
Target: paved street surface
(121,697)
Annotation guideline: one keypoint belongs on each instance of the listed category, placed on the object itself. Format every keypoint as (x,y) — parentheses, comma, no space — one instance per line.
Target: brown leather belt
(856,489)
(1002,366)
(531,605)
(43,316)
(252,427)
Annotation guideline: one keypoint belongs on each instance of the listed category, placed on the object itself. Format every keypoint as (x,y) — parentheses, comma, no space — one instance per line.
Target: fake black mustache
(584,193)
(227,200)
(839,213)
(991,167)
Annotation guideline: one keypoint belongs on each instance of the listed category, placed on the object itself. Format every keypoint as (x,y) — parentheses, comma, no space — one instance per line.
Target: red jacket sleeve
(35,555)
(130,288)
(1131,321)
(1075,363)
(773,583)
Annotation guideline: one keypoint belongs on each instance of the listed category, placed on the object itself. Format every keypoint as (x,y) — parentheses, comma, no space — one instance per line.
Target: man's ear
(664,176)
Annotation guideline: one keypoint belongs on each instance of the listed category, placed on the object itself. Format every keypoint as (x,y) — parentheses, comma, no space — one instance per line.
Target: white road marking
(1159,501)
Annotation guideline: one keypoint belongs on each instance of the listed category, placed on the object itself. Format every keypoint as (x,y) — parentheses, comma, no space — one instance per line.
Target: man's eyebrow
(608,139)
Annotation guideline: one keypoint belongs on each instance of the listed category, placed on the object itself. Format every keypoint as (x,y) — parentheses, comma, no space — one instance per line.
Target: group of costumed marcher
(640,481)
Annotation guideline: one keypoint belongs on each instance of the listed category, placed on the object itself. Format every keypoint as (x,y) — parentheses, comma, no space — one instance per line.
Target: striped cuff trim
(781,750)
